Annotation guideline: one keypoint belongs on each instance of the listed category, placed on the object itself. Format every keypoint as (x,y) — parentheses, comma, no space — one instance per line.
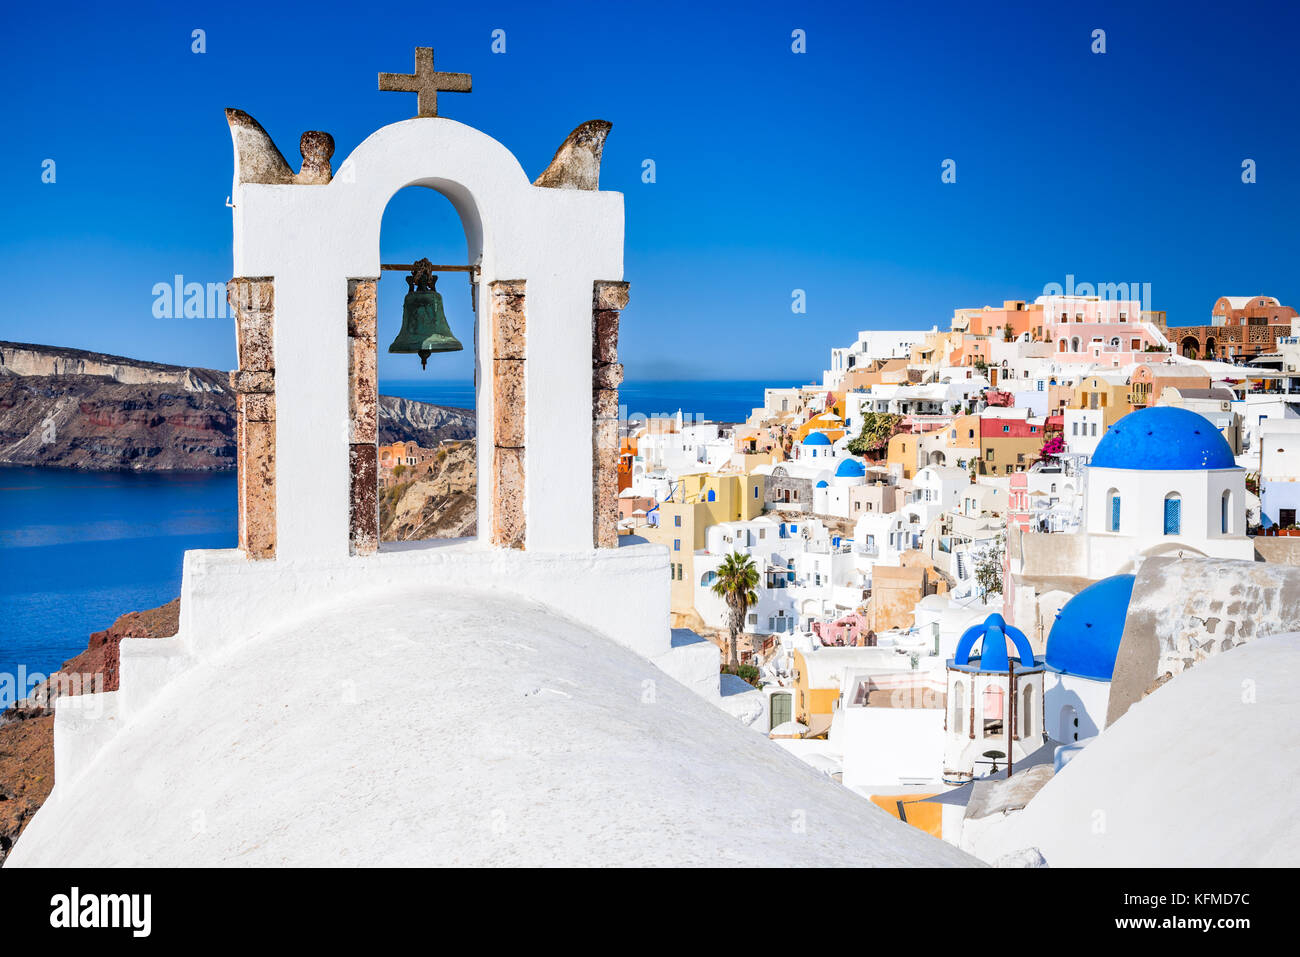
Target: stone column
(253,301)
(608,299)
(509,371)
(363,418)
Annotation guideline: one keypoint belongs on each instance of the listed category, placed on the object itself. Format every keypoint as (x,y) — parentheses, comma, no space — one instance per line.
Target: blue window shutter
(1114,513)
(1173,516)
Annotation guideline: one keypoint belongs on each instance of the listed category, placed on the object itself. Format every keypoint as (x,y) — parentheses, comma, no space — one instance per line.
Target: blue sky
(775,171)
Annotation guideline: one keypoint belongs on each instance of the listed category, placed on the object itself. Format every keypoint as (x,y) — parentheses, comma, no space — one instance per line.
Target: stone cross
(425,82)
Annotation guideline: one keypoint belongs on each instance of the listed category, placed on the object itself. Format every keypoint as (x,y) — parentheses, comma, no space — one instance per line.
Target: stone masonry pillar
(608,300)
(509,371)
(363,418)
(253,383)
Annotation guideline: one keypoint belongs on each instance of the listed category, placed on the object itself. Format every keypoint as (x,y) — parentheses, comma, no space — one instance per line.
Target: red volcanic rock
(26,771)
(100,659)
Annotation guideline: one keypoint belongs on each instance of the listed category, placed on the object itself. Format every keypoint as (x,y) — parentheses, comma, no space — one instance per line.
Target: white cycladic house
(1279,471)
(870,345)
(1084,429)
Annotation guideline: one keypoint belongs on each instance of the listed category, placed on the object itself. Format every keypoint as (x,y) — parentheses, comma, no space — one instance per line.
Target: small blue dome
(992,636)
(1163,438)
(851,468)
(823,484)
(816,438)
(1085,638)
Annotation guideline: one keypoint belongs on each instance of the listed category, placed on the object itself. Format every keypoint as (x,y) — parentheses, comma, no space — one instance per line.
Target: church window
(1173,514)
(992,710)
(1114,510)
(1225,510)
(958,707)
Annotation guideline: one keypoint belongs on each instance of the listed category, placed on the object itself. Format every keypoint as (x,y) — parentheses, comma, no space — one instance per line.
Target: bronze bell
(424,324)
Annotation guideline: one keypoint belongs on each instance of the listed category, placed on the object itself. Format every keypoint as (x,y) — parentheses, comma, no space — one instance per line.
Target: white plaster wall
(312,239)
(1084,420)
(225,599)
(1089,699)
(1142,504)
(883,746)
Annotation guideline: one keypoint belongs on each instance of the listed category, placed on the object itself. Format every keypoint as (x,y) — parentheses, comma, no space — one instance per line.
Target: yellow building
(1108,393)
(829,420)
(814,695)
(699,501)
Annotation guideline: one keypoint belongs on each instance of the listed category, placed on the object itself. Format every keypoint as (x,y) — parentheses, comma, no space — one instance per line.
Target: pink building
(1018,501)
(1086,329)
(851,630)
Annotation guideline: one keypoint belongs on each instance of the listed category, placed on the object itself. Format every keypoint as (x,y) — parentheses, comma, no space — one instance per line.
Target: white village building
(870,345)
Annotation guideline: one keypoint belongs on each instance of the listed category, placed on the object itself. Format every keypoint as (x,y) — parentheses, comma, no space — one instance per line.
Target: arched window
(1027,713)
(1173,514)
(1225,512)
(1113,498)
(993,710)
(712,495)
(1074,344)
(958,708)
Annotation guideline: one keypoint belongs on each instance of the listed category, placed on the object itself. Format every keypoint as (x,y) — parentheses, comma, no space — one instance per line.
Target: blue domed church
(1163,481)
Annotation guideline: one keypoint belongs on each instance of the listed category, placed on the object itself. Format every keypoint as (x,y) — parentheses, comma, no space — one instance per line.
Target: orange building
(1150,379)
(1013,320)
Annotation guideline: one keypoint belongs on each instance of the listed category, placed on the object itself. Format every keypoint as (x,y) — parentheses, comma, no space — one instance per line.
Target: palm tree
(735,584)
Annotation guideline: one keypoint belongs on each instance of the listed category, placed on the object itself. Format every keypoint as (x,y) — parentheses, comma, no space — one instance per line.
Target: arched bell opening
(424,349)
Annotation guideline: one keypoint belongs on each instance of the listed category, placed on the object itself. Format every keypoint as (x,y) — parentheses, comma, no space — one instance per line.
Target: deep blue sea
(718,401)
(78,549)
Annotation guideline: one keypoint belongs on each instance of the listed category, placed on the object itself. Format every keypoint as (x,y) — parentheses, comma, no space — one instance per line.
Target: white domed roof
(444,728)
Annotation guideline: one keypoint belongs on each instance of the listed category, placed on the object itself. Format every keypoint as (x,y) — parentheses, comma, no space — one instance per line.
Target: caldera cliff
(68,408)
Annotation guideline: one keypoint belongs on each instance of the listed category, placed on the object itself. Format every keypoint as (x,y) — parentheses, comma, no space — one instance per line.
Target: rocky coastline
(27,728)
(69,408)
